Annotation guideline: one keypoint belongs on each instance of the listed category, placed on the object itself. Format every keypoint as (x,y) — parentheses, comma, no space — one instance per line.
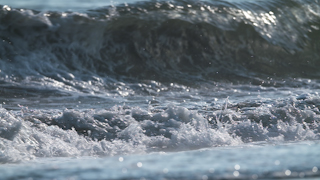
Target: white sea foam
(129,130)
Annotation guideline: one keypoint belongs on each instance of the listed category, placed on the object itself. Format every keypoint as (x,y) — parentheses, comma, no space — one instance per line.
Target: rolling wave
(164,40)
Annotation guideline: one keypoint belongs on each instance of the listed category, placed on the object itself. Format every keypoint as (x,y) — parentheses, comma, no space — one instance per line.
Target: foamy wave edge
(29,134)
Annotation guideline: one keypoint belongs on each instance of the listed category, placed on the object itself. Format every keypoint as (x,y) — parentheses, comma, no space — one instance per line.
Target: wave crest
(165,40)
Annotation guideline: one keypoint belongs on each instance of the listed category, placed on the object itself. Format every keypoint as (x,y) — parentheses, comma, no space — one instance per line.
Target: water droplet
(287,172)
(204,177)
(211,170)
(236,173)
(6,7)
(120,159)
(165,170)
(139,164)
(314,169)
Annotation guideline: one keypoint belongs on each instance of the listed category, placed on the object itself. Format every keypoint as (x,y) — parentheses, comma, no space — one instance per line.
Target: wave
(119,130)
(163,40)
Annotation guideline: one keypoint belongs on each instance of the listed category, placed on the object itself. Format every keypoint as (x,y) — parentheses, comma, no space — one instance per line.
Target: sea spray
(40,133)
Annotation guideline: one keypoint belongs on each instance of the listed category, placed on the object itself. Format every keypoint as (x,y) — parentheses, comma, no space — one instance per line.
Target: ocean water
(183,89)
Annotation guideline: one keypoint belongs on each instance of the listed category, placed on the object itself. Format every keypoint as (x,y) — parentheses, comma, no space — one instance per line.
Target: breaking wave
(127,130)
(163,41)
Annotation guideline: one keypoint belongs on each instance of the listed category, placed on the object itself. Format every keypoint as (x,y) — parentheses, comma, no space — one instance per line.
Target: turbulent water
(160,89)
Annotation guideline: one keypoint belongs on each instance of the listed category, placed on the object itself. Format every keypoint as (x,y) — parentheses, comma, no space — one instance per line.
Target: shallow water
(252,161)
(159,89)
